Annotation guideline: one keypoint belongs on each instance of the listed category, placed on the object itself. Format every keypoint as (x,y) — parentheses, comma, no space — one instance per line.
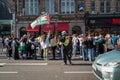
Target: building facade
(6,20)
(103,17)
(74,16)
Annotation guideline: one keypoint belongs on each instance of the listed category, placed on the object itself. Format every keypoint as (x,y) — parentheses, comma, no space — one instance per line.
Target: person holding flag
(45,41)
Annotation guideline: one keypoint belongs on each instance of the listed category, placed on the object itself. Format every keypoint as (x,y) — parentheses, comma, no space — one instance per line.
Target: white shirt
(74,41)
(80,40)
(45,44)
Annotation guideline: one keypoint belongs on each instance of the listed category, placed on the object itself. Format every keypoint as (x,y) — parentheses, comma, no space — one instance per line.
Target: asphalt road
(45,70)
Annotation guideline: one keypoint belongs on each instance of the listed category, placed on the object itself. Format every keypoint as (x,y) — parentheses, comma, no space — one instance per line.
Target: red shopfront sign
(62,26)
(116,21)
(47,27)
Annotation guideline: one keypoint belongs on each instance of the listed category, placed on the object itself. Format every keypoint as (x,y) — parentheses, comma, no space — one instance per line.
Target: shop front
(48,27)
(103,23)
(62,26)
(6,27)
(6,22)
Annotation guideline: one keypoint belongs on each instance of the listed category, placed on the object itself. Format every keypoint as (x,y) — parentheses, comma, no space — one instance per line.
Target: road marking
(8,72)
(26,64)
(79,72)
(1,64)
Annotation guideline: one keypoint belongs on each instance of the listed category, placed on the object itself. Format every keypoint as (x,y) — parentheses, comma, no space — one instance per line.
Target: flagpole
(49,27)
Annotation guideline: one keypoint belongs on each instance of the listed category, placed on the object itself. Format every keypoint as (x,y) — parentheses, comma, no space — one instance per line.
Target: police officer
(67,47)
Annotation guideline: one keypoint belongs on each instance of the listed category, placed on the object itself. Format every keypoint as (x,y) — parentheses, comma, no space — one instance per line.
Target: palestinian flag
(43,19)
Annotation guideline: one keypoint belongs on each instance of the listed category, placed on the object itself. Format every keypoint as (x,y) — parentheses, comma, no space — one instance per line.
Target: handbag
(21,48)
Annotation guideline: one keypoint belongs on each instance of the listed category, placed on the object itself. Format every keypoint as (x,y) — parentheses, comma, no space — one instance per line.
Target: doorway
(76,30)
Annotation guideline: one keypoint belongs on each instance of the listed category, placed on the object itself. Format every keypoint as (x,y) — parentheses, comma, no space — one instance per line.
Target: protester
(15,45)
(75,44)
(22,48)
(9,48)
(108,43)
(84,48)
(53,43)
(91,52)
(45,44)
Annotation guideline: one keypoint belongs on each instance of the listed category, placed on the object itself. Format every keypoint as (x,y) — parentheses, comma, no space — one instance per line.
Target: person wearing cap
(66,44)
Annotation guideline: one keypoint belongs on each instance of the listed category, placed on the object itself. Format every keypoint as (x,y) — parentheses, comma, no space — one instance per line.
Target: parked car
(107,66)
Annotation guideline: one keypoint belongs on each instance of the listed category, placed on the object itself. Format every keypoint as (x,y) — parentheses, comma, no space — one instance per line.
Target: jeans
(74,50)
(61,52)
(91,54)
(85,53)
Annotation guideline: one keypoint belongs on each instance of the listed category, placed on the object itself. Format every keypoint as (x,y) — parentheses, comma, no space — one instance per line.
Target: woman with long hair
(45,44)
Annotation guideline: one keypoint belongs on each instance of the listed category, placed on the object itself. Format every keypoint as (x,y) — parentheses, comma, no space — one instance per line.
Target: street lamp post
(86,21)
(15,14)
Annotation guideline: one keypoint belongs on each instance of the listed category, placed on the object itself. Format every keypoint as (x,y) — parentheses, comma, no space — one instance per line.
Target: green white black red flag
(43,19)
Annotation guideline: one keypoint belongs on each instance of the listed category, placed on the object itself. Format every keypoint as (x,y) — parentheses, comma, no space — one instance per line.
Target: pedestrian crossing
(78,72)
(8,72)
(23,64)
(2,64)
(27,64)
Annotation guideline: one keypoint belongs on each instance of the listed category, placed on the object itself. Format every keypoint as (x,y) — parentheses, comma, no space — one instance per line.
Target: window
(108,6)
(31,7)
(67,6)
(105,6)
(50,6)
(118,6)
(93,7)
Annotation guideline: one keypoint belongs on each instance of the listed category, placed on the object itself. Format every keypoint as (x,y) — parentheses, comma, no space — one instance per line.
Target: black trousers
(67,54)
(10,53)
(16,53)
(53,49)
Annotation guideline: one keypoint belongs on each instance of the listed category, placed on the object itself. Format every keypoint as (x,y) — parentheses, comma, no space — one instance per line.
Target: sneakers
(45,59)
(10,58)
(65,63)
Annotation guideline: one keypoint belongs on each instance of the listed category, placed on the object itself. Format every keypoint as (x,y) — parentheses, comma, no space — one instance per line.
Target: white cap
(63,32)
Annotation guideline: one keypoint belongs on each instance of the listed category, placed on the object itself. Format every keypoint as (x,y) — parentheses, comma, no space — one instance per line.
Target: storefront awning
(103,16)
(36,29)
(6,21)
(47,27)
(62,26)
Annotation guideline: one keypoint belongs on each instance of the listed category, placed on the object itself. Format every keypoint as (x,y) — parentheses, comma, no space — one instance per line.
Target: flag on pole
(43,19)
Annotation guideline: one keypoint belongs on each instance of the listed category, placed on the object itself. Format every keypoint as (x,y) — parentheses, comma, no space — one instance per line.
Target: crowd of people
(62,46)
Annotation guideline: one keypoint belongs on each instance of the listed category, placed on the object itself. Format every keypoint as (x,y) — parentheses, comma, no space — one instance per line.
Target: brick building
(74,16)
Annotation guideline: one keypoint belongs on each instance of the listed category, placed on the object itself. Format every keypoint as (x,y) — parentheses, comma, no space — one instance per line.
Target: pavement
(45,70)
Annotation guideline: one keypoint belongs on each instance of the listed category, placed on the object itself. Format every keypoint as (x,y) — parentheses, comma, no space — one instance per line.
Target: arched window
(4,12)
(76,29)
(22,31)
